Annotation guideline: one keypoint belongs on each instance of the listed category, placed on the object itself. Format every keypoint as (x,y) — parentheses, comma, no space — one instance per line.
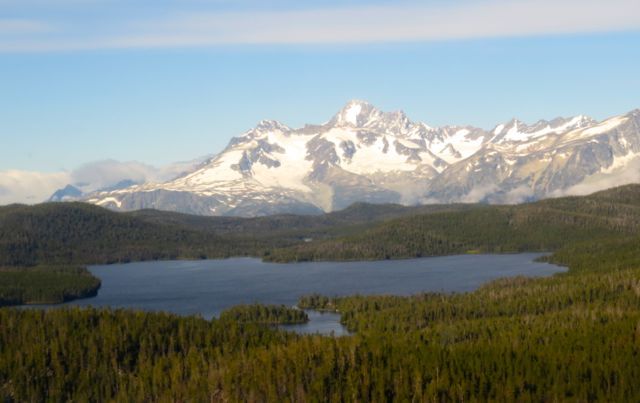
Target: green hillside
(542,226)
(78,233)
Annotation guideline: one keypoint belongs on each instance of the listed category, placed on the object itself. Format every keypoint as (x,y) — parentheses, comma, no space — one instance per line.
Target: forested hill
(59,233)
(77,233)
(291,225)
(541,226)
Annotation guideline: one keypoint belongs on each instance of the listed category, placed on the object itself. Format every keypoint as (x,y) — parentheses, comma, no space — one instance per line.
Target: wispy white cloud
(479,193)
(518,195)
(99,174)
(401,22)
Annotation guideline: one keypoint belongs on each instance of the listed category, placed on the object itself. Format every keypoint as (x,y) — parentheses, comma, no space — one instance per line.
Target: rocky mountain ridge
(363,154)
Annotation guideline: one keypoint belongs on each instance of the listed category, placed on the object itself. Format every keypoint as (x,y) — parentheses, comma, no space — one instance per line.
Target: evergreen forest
(574,336)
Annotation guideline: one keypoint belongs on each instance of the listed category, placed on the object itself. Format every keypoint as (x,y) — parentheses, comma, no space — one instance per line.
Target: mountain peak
(356,113)
(268,125)
(357,103)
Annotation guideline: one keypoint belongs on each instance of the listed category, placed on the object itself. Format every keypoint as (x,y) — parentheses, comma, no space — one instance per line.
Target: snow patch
(352,112)
(108,200)
(604,126)
(369,159)
(293,168)
(459,141)
(408,144)
(517,134)
(514,134)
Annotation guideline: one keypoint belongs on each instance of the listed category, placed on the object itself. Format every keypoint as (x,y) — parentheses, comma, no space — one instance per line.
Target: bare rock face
(365,155)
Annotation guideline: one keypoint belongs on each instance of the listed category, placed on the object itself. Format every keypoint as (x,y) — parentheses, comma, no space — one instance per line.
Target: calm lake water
(206,287)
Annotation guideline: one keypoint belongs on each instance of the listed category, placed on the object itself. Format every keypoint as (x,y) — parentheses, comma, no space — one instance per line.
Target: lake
(206,287)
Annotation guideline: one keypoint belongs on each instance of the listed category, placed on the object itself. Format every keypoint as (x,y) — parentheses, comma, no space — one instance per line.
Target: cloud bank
(398,22)
(630,173)
(30,187)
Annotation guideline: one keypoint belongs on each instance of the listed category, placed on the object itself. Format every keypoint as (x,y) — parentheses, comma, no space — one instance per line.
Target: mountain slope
(365,155)
(63,233)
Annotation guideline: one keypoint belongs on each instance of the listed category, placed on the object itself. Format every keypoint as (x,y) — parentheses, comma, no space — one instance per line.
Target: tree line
(264,314)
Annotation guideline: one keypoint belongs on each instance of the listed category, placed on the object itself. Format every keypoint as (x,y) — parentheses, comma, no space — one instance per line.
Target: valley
(510,339)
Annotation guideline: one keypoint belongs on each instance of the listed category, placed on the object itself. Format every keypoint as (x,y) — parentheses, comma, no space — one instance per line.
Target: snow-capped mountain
(364,154)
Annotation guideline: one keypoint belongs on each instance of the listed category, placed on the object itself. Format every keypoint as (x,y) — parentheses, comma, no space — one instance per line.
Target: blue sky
(163,81)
